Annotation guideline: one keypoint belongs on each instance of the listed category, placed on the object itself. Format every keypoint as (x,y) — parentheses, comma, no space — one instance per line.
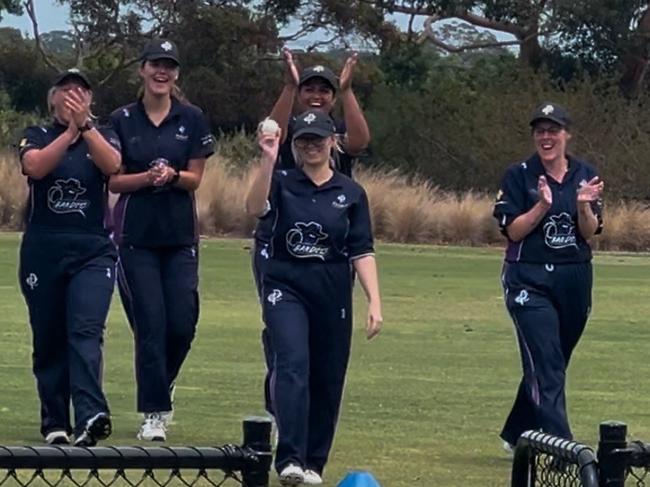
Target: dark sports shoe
(97,428)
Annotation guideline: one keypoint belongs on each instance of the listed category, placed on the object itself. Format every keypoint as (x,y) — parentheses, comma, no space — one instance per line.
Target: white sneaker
(509,448)
(291,475)
(153,428)
(57,437)
(312,478)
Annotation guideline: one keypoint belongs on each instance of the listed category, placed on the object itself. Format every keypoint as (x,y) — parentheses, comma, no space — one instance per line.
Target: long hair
(176,93)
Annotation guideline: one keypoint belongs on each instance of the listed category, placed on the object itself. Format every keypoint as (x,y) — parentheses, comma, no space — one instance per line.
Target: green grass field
(424,402)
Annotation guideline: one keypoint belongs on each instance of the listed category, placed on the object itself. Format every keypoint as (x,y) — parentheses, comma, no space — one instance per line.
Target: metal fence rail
(546,460)
(248,464)
(543,460)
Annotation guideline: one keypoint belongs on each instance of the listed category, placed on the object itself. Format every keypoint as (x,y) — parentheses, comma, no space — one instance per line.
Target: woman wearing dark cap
(548,207)
(165,143)
(67,261)
(322,228)
(315,88)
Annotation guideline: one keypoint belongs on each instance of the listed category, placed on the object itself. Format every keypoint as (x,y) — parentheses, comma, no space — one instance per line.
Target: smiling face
(316,93)
(313,150)
(159,76)
(551,140)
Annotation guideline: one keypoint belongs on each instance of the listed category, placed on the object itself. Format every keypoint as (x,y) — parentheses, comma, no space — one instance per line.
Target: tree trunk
(635,61)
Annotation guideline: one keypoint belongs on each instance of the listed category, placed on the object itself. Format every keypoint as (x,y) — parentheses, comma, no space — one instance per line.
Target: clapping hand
(345,79)
(590,191)
(292,75)
(544,192)
(77,103)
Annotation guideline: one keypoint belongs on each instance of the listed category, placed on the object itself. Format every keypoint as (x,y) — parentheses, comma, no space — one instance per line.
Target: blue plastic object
(359,479)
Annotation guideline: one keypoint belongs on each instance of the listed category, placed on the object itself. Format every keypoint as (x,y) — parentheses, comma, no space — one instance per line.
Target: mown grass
(424,402)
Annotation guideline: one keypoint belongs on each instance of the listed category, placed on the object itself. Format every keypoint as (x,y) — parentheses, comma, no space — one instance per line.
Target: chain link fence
(117,466)
(543,460)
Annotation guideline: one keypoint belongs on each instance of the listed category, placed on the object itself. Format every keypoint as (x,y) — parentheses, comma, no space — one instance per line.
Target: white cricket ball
(269,126)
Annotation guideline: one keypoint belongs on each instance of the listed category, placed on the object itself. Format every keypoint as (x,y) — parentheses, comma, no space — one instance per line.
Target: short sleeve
(111,137)
(360,240)
(32,138)
(202,141)
(510,198)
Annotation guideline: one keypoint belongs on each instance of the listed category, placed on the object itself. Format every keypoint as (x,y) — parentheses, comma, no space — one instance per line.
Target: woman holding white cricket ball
(315,88)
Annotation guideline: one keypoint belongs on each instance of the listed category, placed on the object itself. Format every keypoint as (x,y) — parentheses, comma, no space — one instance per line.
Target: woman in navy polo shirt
(322,225)
(67,261)
(165,143)
(548,207)
(315,88)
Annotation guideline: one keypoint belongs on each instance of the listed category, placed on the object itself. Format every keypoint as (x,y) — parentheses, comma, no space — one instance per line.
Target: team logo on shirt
(303,241)
(340,202)
(63,197)
(560,232)
(181,135)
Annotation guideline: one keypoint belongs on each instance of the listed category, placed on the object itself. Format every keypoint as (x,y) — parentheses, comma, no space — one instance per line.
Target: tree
(11,6)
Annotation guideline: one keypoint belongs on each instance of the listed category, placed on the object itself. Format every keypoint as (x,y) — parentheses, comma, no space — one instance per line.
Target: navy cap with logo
(313,122)
(70,74)
(160,49)
(551,112)
(319,72)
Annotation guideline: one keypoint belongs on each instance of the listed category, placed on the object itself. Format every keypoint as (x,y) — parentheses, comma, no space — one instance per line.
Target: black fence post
(257,439)
(612,467)
(521,462)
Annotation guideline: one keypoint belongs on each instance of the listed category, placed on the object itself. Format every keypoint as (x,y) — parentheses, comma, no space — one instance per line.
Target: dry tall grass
(404,209)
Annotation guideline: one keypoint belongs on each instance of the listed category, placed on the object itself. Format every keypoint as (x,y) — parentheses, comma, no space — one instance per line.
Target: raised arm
(283,107)
(258,193)
(357,131)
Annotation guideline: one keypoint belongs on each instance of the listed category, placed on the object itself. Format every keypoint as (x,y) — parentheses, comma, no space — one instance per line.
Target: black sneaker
(97,428)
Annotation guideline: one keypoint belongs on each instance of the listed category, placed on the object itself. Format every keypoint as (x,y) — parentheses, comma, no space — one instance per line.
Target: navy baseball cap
(72,73)
(160,49)
(551,112)
(313,122)
(319,72)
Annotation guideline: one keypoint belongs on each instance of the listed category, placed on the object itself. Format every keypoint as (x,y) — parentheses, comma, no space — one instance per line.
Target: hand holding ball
(268,126)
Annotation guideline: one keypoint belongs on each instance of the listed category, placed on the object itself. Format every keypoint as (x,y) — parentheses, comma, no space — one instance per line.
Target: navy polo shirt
(159,217)
(286,161)
(326,223)
(73,197)
(556,239)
